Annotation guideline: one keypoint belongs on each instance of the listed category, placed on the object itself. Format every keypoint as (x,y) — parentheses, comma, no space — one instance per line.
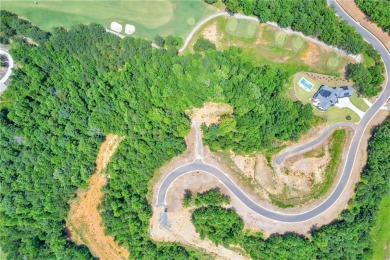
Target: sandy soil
(212,34)
(245,163)
(117,27)
(129,29)
(311,55)
(84,222)
(353,10)
(210,113)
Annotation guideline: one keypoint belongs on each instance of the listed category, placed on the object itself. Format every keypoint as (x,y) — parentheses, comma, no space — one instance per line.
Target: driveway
(346,103)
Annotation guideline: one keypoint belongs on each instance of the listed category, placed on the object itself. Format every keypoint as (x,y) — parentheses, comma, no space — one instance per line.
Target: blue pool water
(304,83)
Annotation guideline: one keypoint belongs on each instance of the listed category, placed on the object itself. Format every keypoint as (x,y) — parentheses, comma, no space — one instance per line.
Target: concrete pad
(116,27)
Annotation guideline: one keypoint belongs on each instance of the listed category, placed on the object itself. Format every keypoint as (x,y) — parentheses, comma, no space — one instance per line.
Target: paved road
(9,70)
(305,147)
(200,166)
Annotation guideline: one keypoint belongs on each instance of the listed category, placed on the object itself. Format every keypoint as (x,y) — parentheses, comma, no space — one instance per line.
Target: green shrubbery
(77,86)
(315,18)
(220,225)
(378,11)
(203,44)
(212,197)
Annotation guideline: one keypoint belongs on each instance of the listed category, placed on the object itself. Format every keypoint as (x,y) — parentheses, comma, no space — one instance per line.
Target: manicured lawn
(150,18)
(358,102)
(381,231)
(334,115)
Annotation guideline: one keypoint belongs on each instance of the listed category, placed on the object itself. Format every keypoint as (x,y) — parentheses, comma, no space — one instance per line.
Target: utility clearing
(84,223)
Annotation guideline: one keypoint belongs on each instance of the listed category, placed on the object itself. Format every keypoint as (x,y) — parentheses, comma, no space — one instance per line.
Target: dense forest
(74,87)
(378,11)
(346,238)
(315,18)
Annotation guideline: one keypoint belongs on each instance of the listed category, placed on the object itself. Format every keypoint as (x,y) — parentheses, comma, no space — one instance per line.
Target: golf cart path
(199,165)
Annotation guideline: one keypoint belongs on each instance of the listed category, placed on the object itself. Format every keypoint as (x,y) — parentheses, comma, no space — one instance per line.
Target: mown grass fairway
(150,18)
(381,231)
(241,27)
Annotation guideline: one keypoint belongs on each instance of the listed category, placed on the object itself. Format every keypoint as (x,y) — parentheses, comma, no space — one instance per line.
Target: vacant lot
(149,17)
(267,44)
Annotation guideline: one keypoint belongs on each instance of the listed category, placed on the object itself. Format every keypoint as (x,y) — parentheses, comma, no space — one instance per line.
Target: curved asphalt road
(9,70)
(199,165)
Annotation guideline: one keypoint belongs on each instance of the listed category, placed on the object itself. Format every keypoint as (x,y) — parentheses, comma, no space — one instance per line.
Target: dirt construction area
(177,226)
(84,222)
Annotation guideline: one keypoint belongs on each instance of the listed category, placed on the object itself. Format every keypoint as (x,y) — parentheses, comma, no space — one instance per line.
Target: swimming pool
(305,84)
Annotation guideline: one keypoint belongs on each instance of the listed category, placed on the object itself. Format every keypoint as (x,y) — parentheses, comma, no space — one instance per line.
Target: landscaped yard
(150,18)
(334,114)
(381,231)
(271,45)
(358,102)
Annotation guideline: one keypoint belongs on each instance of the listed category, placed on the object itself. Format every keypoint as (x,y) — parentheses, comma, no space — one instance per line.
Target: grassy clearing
(335,150)
(241,27)
(359,102)
(333,62)
(3,255)
(150,18)
(381,231)
(334,114)
(272,45)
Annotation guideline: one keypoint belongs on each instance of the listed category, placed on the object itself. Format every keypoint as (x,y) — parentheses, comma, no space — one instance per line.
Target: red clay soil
(84,222)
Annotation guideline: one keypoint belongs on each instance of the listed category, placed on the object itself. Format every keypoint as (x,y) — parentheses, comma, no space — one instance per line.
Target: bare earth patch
(84,222)
(245,163)
(210,113)
(179,219)
(212,34)
(311,55)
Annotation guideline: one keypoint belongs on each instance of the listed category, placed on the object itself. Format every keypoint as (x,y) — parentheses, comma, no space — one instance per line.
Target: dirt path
(354,11)
(84,222)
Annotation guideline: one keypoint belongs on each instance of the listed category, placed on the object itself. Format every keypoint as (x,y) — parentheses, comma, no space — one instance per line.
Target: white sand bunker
(117,27)
(129,29)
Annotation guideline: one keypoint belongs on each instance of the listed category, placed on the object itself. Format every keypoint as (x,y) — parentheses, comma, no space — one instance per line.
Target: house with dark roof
(327,96)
